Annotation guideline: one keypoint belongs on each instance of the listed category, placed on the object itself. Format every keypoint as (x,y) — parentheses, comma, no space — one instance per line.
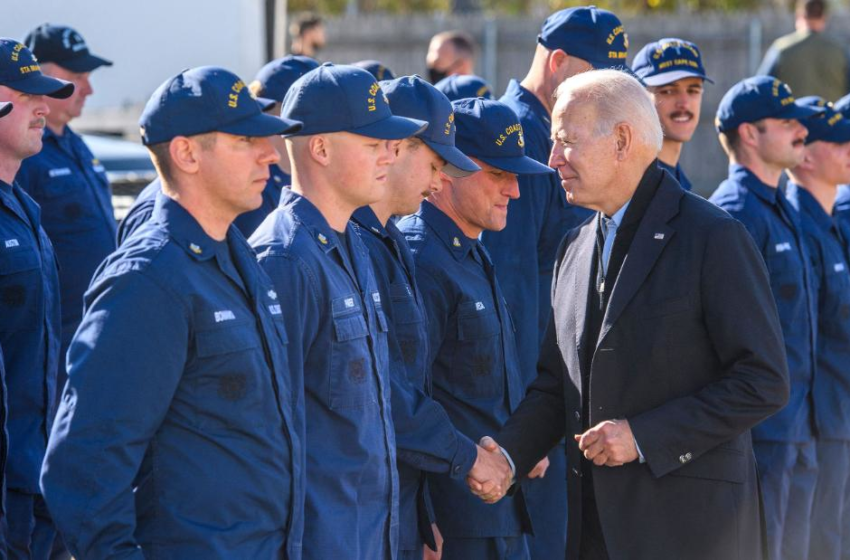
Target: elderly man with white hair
(663,348)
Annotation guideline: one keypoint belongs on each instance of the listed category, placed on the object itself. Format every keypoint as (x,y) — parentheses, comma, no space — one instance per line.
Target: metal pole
(755,53)
(490,52)
(281,24)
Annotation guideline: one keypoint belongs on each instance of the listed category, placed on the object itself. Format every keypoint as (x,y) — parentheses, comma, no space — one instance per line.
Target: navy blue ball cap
(64,46)
(343,98)
(413,97)
(830,126)
(276,77)
(463,86)
(843,105)
(265,103)
(207,99)
(757,98)
(588,33)
(490,131)
(668,60)
(376,68)
(20,71)
(5,108)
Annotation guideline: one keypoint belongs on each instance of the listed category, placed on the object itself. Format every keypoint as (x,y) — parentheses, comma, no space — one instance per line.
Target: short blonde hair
(617,98)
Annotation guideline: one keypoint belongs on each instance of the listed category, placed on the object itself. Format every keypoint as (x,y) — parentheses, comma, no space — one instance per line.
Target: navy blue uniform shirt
(841,211)
(29,334)
(775,227)
(142,208)
(425,436)
(677,173)
(340,368)
(524,252)
(71,187)
(473,361)
(831,280)
(175,432)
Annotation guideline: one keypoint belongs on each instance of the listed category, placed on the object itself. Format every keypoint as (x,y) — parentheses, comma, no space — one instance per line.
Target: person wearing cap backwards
(425,437)
(29,301)
(66,180)
(5,109)
(336,324)
(571,41)
(463,86)
(758,121)
(647,367)
(825,165)
(673,72)
(189,450)
(269,87)
(472,353)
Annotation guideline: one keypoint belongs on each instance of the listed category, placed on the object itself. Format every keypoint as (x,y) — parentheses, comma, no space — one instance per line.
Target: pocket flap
(19,260)
(234,338)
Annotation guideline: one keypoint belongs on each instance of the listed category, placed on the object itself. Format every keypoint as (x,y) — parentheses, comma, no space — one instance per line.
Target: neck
(56,127)
(8,169)
(767,173)
(383,211)
(670,152)
(333,208)
(619,196)
(822,191)
(535,82)
(212,219)
(446,208)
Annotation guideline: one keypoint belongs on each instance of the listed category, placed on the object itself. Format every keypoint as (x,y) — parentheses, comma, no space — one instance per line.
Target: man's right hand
(490,476)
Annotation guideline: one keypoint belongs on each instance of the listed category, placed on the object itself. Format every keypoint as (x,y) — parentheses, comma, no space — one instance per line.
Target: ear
(184,154)
(320,150)
(556,60)
(748,133)
(624,139)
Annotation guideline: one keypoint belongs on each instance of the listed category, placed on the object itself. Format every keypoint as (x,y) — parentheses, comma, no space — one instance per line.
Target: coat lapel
(580,267)
(652,236)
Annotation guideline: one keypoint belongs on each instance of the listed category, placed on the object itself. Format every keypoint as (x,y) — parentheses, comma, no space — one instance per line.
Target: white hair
(618,98)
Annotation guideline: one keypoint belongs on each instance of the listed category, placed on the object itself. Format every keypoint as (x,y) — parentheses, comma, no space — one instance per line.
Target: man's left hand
(609,443)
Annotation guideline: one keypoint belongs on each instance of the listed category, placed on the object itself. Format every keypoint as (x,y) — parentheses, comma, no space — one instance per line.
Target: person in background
(336,323)
(308,35)
(376,68)
(809,60)
(30,317)
(673,72)
(5,109)
(450,52)
(758,122)
(65,178)
(825,165)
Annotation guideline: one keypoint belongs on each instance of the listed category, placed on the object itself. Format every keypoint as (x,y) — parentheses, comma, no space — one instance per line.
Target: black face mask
(436,75)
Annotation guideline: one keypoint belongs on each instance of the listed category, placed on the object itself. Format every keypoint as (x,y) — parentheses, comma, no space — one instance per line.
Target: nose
(268,153)
(84,86)
(389,152)
(556,157)
(802,131)
(512,190)
(41,109)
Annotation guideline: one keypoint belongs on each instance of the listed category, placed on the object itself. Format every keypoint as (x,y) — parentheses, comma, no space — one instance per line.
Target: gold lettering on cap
(16,52)
(373,94)
(619,30)
(448,129)
(508,131)
(233,97)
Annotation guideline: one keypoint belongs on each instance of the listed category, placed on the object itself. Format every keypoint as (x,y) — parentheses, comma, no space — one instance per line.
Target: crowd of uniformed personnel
(305,337)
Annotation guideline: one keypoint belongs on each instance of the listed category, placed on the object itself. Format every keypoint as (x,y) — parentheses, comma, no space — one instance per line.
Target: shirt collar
(524,96)
(448,231)
(748,179)
(367,219)
(311,218)
(183,228)
(617,218)
(812,208)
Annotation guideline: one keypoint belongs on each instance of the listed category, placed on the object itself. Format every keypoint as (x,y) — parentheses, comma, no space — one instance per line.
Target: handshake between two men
(609,443)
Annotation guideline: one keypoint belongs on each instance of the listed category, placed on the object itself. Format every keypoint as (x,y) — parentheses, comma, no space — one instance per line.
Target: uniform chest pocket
(478,361)
(785,272)
(68,204)
(409,330)
(351,382)
(230,378)
(20,288)
(837,310)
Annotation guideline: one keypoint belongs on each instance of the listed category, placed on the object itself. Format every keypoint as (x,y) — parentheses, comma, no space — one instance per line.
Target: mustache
(682,114)
(39,122)
(798,142)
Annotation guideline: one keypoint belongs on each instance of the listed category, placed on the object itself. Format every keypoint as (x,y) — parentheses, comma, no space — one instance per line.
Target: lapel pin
(194,248)
(659,236)
(323,239)
(456,242)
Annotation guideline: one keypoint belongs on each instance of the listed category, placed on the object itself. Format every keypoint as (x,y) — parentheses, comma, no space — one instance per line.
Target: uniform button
(688,456)
(576,472)
(683,459)
(600,409)
(578,416)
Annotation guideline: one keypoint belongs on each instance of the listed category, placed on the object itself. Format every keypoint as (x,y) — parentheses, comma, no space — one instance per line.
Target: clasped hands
(491,476)
(609,443)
